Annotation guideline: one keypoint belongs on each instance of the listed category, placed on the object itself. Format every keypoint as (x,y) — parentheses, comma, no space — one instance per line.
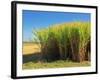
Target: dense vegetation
(67,41)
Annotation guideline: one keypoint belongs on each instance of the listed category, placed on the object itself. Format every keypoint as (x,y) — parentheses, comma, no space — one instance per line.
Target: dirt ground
(30,48)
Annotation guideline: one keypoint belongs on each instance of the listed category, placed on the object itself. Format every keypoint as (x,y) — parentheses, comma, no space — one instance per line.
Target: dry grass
(30,48)
(55,64)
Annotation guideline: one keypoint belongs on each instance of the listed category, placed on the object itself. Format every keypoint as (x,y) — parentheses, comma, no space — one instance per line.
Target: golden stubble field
(30,48)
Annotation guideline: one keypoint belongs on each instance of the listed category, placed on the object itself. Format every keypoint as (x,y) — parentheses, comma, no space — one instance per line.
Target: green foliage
(69,40)
(55,64)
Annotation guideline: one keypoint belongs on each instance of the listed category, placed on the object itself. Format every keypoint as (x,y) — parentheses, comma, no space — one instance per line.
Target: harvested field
(30,48)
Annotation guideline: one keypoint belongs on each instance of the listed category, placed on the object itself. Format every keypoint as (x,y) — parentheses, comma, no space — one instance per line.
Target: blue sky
(41,19)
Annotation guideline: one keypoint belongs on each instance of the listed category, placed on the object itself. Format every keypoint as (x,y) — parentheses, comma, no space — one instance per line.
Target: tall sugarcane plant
(64,41)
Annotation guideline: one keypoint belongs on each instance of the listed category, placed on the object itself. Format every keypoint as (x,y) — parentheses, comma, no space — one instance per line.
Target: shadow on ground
(31,57)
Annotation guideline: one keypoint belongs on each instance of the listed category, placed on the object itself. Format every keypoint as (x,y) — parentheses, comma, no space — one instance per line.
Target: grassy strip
(55,64)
